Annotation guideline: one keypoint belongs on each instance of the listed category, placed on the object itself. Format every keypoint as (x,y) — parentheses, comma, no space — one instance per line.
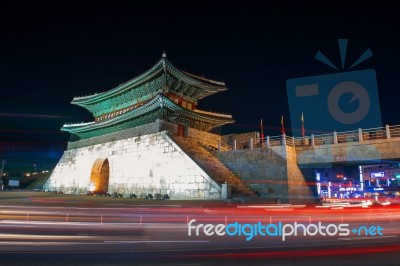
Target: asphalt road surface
(38,229)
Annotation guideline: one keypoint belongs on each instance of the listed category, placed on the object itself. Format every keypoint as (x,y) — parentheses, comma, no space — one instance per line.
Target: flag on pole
(262,132)
(283,127)
(303,131)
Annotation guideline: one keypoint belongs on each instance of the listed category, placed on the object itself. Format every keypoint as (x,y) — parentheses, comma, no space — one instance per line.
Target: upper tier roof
(162,77)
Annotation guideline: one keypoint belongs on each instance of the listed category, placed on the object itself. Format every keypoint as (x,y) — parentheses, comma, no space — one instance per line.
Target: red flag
(283,127)
(303,131)
(262,130)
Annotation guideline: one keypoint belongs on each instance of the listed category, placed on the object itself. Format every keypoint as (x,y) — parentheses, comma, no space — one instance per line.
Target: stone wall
(242,140)
(159,125)
(370,150)
(301,181)
(272,172)
(206,138)
(146,164)
(263,170)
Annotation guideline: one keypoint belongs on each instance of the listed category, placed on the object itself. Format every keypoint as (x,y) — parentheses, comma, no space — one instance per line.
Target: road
(117,232)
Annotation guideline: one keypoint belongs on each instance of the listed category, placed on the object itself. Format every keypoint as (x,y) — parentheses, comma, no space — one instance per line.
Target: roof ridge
(141,75)
(203,78)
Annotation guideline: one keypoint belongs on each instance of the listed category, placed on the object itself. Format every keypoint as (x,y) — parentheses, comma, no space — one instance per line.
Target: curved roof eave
(204,83)
(75,128)
(207,84)
(120,88)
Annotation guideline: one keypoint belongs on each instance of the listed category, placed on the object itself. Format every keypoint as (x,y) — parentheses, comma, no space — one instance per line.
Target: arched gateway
(99,175)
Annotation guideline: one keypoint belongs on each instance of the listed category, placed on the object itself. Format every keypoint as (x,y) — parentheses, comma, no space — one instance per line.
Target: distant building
(381,178)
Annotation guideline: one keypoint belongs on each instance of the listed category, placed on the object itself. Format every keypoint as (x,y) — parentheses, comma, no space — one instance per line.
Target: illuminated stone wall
(301,188)
(148,164)
(242,140)
(272,172)
(204,137)
(263,171)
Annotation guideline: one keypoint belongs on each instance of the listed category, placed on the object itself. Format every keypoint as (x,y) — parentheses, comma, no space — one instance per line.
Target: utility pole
(2,167)
(1,174)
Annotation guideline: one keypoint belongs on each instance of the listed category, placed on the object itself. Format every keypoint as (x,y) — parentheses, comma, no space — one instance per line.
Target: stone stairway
(213,166)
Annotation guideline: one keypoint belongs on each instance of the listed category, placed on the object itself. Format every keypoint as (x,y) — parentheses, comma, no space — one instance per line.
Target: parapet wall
(242,140)
(206,138)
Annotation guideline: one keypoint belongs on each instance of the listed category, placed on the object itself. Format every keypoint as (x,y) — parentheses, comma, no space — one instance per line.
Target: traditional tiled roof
(162,77)
(160,107)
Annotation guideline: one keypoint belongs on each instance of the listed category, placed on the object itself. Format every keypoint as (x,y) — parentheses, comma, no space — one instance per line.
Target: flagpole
(262,133)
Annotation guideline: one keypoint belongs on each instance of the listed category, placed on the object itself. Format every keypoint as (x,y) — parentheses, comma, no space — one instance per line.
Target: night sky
(52,52)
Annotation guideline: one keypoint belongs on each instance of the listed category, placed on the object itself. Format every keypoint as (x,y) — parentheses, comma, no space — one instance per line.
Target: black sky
(51,52)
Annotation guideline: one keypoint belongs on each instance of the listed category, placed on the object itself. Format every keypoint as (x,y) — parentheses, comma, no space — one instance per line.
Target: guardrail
(359,135)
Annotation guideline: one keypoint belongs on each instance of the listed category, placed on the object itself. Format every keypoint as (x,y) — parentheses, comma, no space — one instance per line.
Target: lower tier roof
(160,107)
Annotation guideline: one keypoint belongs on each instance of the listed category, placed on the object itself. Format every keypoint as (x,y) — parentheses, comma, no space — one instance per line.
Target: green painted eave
(160,102)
